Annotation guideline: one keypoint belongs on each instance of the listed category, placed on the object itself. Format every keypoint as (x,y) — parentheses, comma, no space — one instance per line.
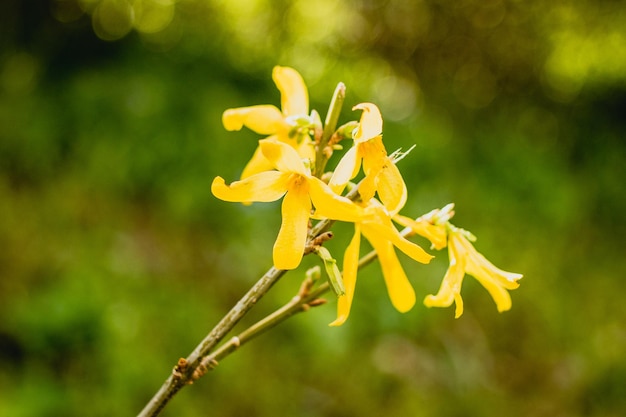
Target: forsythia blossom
(381,174)
(281,168)
(291,125)
(291,179)
(464,259)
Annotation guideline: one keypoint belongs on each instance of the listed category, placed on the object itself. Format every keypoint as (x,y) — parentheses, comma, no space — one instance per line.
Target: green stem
(330,125)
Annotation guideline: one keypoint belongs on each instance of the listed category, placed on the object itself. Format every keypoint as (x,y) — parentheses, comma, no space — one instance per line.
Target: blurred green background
(115,259)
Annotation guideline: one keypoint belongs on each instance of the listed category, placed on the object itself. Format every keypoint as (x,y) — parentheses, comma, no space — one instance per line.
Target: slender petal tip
(371,124)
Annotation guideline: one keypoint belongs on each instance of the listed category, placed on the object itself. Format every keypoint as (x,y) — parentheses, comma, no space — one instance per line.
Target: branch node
(180,368)
(235,342)
(318,241)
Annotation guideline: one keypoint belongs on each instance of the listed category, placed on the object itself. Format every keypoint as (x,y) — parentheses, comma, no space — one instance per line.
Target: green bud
(345,131)
(332,270)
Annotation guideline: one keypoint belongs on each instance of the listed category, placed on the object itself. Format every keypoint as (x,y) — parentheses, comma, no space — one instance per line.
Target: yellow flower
(378,229)
(381,174)
(464,259)
(269,120)
(293,180)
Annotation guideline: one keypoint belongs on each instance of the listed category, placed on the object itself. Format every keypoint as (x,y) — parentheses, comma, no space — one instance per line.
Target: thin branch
(186,375)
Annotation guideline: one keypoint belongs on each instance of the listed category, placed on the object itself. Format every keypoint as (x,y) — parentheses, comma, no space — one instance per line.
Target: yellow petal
(374,159)
(383,227)
(446,295)
(477,264)
(350,267)
(330,205)
(293,92)
(486,269)
(450,290)
(306,149)
(367,187)
(258,163)
(371,124)
(347,168)
(399,288)
(493,279)
(262,187)
(499,294)
(391,187)
(263,119)
(291,239)
(374,155)
(282,156)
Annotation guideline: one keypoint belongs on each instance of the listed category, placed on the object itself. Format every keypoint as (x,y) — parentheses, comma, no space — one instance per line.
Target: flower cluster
(282,166)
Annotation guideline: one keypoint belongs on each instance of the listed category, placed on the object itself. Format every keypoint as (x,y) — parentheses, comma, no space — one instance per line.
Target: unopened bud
(332,270)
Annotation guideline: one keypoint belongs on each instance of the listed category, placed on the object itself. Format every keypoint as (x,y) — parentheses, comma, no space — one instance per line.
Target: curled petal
(391,187)
(330,205)
(371,124)
(350,267)
(399,288)
(347,168)
(263,119)
(293,91)
(447,293)
(289,245)
(282,156)
(495,280)
(450,290)
(477,264)
(262,187)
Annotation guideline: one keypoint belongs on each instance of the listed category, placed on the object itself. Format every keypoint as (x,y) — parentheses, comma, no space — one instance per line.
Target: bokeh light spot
(153,16)
(113,19)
